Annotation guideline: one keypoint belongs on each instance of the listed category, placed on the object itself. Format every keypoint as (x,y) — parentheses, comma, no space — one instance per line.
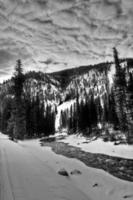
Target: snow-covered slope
(47,89)
(61,87)
(30,172)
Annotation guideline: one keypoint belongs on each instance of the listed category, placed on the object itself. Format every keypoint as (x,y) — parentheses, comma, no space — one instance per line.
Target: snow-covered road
(30,172)
(24,176)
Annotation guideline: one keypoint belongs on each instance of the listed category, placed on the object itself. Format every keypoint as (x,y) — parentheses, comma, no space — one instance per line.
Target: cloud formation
(66,33)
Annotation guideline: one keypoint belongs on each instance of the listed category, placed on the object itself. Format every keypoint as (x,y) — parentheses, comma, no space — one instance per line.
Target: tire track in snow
(6,165)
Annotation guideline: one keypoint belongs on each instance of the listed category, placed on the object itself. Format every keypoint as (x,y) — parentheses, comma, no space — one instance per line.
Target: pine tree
(99,109)
(119,93)
(77,111)
(5,114)
(129,106)
(18,80)
(19,129)
(93,113)
(29,116)
(112,115)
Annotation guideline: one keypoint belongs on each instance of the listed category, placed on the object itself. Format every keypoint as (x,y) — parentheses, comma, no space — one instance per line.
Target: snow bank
(99,146)
(95,184)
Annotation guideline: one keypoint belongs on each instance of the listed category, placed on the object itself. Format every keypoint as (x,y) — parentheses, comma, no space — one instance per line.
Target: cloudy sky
(51,35)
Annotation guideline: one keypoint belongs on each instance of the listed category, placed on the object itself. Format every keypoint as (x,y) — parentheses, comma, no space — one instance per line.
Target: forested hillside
(102,97)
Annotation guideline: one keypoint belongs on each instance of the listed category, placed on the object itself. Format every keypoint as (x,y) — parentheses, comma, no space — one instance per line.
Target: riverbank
(119,167)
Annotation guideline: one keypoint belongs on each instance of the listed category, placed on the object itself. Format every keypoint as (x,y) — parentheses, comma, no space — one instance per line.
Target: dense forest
(113,111)
(23,115)
(29,102)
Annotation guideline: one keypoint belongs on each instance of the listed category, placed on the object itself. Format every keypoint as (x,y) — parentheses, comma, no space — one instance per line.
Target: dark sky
(51,35)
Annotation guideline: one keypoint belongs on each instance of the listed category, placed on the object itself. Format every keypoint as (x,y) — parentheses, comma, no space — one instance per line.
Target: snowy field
(99,146)
(30,172)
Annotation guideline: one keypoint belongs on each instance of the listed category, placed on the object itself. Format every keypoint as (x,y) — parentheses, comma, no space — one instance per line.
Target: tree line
(23,115)
(84,116)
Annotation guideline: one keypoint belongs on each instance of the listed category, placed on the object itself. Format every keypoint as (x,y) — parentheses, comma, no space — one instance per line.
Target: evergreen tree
(29,116)
(129,106)
(99,109)
(5,114)
(119,93)
(93,111)
(77,113)
(112,115)
(71,117)
(19,122)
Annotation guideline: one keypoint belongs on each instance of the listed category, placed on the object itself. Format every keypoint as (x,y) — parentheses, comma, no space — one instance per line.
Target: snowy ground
(99,146)
(29,172)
